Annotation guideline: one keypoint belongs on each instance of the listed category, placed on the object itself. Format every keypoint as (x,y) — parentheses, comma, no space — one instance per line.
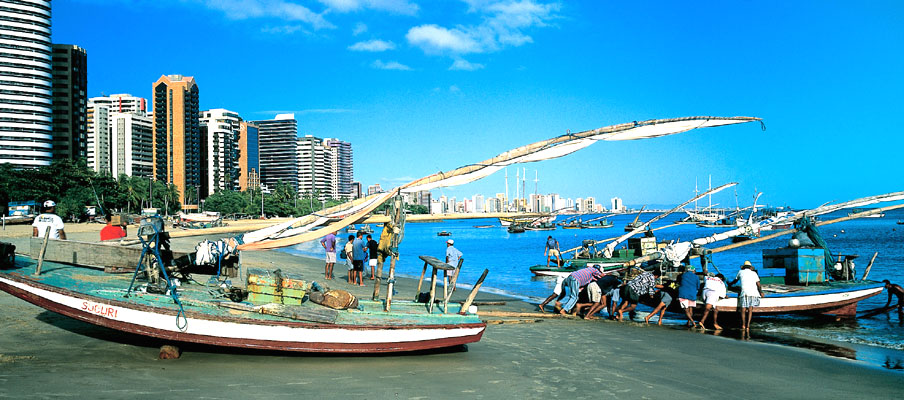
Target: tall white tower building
(220,130)
(26,130)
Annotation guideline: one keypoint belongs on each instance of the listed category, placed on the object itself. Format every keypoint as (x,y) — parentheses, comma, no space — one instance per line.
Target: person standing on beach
(359,252)
(643,284)
(572,287)
(348,250)
(453,256)
(552,250)
(894,290)
(713,291)
(751,292)
(688,286)
(112,232)
(329,245)
(48,220)
(372,247)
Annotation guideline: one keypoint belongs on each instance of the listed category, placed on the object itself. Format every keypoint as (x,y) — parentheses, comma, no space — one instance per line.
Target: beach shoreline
(44,355)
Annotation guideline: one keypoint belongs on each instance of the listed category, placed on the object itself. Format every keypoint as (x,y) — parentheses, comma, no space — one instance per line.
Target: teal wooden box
(802,265)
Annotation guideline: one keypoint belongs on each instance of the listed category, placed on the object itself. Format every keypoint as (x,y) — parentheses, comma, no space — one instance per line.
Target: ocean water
(508,257)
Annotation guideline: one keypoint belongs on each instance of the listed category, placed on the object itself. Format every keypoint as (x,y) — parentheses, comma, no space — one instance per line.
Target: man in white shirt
(48,220)
(751,292)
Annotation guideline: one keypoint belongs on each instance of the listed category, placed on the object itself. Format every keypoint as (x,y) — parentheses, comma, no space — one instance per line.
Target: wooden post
(703,263)
(391,280)
(420,282)
(445,295)
(432,290)
(473,294)
(870,266)
(379,278)
(454,280)
(43,249)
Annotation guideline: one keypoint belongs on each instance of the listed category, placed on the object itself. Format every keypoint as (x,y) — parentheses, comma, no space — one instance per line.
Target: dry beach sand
(43,354)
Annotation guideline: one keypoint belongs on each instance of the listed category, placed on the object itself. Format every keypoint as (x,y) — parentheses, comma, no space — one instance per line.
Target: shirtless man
(895,290)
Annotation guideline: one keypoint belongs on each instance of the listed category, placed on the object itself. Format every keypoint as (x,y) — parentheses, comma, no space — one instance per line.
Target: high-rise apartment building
(26,131)
(98,138)
(317,175)
(177,136)
(131,144)
(124,103)
(70,102)
(278,139)
(220,133)
(344,167)
(100,135)
(249,156)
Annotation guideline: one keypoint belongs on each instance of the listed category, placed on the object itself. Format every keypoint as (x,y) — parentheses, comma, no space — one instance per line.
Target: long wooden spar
(794,230)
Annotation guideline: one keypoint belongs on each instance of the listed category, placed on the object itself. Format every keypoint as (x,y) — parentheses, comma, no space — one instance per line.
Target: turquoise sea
(879,340)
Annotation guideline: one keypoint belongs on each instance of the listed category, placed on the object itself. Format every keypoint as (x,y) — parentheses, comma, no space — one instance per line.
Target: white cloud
(436,39)
(359,29)
(373,46)
(391,65)
(282,30)
(282,9)
(454,89)
(464,65)
(404,7)
(504,24)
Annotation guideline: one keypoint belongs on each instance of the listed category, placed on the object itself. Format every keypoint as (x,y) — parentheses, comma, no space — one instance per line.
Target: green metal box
(266,286)
(802,265)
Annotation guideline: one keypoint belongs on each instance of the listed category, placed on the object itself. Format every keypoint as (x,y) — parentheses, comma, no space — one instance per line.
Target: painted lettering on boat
(99,309)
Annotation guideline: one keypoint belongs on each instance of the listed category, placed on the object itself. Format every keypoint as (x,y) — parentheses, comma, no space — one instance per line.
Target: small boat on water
(515,228)
(856,211)
(507,221)
(900,222)
(444,233)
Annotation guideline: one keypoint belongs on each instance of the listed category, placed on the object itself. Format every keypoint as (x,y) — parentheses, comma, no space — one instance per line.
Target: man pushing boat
(894,290)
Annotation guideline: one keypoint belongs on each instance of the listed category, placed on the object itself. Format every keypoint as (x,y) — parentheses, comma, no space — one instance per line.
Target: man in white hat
(48,220)
(751,292)
(452,255)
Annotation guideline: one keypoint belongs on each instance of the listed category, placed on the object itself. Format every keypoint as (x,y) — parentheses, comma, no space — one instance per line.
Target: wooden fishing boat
(900,222)
(92,296)
(444,233)
(863,211)
(507,221)
(516,228)
(591,257)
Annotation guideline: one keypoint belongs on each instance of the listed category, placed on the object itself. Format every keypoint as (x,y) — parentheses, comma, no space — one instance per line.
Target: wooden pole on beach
(473,294)
(379,278)
(43,250)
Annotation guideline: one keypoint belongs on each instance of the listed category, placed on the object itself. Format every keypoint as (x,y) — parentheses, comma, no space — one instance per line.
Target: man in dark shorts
(606,284)
(668,290)
(359,257)
(372,247)
(644,284)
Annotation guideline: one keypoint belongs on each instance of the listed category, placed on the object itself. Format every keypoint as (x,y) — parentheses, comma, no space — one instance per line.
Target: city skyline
(444,85)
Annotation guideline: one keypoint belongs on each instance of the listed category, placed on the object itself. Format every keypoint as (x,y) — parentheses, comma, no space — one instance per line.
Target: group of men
(356,251)
(594,289)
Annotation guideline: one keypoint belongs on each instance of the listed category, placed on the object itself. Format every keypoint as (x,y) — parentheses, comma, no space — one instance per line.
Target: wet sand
(43,354)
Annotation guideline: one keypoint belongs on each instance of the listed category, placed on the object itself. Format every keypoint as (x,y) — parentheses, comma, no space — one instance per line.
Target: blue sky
(423,86)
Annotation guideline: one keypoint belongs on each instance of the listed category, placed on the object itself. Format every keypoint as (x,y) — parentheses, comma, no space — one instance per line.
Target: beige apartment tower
(177,136)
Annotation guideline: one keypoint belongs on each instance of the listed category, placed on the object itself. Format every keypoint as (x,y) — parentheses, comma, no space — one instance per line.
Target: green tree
(226,202)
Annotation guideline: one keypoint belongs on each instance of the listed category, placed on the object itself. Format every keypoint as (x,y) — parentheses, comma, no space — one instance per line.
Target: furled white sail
(301,229)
